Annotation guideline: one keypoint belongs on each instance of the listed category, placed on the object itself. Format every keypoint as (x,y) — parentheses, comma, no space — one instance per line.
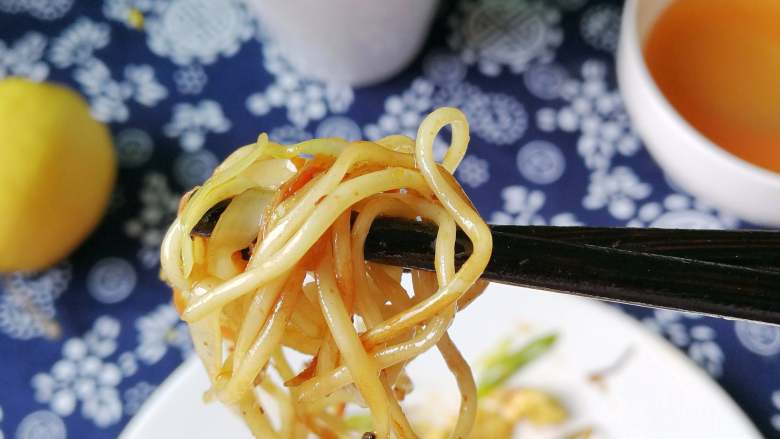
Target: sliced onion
(224,184)
(330,147)
(236,229)
(270,174)
(206,334)
(234,158)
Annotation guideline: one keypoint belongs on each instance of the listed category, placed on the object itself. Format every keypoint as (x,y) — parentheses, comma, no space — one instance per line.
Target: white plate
(656,393)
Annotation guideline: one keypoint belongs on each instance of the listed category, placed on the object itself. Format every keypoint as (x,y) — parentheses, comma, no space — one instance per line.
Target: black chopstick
(731,274)
(746,248)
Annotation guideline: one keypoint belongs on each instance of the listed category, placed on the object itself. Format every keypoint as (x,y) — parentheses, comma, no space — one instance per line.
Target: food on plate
(267,257)
(504,406)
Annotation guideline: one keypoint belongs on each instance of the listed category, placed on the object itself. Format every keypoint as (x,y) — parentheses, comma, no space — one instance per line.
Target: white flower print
(104,408)
(596,113)
(127,363)
(679,211)
(24,57)
(697,339)
(1,421)
(190,80)
(27,302)
(83,376)
(160,330)
(545,80)
(192,122)
(78,42)
(188,31)
(41,424)
(158,208)
(339,126)
(540,162)
(134,147)
(600,26)
(775,419)
(198,30)
(617,190)
(111,280)
(193,168)
(473,171)
(288,134)
(404,112)
(305,99)
(108,97)
(136,396)
(494,34)
(444,68)
(522,206)
(759,338)
(40,9)
(121,10)
(496,117)
(143,86)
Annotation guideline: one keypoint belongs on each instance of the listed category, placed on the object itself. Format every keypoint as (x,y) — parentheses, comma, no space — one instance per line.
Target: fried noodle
(283,267)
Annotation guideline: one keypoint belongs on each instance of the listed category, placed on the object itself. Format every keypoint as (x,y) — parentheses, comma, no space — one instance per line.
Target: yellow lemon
(57,169)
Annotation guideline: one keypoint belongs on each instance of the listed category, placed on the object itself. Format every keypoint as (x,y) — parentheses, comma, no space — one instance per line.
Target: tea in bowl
(701,82)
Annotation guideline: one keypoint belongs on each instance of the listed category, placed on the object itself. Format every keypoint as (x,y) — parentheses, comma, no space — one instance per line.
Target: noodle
(268,254)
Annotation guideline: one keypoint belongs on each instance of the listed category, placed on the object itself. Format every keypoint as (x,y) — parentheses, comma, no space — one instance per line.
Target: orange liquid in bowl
(718,63)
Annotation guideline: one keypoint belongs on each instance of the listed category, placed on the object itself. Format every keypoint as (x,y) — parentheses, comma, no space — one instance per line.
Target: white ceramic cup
(354,42)
(689,159)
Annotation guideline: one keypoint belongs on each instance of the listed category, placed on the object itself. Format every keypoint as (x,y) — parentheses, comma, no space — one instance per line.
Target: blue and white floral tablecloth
(551,144)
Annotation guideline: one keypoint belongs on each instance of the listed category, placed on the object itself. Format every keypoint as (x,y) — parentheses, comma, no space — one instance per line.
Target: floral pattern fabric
(181,83)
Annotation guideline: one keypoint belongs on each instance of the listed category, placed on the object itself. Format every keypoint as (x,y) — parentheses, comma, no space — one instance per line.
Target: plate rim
(190,367)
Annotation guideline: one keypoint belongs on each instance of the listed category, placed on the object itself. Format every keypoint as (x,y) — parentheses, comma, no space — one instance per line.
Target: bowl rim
(630,36)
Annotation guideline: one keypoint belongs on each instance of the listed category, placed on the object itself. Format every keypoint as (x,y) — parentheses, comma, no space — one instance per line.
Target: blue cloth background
(551,144)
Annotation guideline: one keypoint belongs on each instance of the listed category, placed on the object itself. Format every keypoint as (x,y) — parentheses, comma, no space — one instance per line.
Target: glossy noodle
(267,257)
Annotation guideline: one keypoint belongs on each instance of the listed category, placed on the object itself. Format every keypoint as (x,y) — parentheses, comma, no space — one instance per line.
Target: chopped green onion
(502,365)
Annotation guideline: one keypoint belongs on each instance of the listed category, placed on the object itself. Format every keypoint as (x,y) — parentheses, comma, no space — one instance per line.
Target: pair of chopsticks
(723,273)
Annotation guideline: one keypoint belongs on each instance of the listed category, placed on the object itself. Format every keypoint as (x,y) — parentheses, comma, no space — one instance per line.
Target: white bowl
(349,42)
(691,160)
